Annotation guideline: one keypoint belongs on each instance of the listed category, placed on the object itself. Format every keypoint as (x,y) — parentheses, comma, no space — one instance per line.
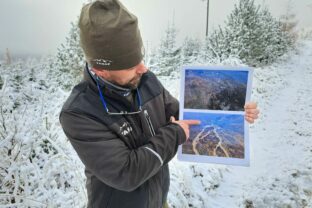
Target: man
(120,119)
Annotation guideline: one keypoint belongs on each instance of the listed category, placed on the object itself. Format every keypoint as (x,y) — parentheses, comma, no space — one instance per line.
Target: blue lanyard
(122,112)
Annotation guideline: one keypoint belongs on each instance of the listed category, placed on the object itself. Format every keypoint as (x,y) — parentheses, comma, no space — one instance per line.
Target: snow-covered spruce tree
(166,61)
(252,34)
(275,43)
(70,59)
(217,46)
(190,51)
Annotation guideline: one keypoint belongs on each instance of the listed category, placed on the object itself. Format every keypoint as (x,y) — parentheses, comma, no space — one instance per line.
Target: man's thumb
(172,119)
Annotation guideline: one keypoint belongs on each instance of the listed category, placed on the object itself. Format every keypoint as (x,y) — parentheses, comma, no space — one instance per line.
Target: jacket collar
(88,78)
(107,91)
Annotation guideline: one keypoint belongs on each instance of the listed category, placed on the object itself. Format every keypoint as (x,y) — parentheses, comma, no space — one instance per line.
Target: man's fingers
(250,105)
(254,116)
(249,120)
(189,122)
(192,122)
(252,111)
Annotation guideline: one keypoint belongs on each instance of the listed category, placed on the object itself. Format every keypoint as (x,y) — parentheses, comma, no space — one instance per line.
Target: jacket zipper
(149,122)
(151,128)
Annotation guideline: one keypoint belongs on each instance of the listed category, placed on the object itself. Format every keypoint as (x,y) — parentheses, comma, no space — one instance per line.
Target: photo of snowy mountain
(215,89)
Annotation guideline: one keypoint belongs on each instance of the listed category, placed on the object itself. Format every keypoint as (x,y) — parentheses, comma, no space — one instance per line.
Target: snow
(39,168)
(280,174)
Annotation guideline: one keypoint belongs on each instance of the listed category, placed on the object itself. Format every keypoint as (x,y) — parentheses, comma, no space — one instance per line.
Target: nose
(141,68)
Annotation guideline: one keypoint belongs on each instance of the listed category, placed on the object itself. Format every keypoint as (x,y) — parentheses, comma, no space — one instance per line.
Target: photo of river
(220,135)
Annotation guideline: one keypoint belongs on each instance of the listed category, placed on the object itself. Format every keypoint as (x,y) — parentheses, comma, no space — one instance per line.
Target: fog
(38,27)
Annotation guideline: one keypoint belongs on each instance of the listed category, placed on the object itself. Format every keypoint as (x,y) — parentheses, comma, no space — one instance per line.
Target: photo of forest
(220,135)
(215,89)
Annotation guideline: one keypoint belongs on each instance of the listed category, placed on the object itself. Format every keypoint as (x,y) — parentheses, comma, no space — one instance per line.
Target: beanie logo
(102,62)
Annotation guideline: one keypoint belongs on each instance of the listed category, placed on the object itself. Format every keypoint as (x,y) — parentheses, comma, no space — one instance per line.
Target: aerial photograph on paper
(218,135)
(215,89)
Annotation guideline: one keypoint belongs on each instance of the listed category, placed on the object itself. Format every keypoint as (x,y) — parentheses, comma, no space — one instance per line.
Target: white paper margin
(213,159)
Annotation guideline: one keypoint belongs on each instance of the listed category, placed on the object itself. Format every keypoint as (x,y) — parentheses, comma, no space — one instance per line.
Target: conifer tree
(190,51)
(251,34)
(167,58)
(70,57)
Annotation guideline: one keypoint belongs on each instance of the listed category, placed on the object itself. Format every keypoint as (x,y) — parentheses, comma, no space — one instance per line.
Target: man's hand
(251,112)
(185,124)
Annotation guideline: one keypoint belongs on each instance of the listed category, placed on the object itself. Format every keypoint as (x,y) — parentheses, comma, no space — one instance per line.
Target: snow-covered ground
(280,174)
(39,168)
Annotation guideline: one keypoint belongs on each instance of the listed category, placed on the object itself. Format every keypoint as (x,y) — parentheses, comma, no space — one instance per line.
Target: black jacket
(126,164)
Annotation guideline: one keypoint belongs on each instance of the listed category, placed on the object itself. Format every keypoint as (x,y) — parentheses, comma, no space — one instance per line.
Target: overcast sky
(40,26)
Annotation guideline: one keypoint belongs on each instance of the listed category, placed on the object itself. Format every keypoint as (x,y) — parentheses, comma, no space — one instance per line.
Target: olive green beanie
(109,36)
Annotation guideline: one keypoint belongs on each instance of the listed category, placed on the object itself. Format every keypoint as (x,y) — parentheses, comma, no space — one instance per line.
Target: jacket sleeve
(110,160)
(171,106)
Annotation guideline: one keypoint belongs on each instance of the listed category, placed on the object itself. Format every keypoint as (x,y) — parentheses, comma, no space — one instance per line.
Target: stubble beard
(133,83)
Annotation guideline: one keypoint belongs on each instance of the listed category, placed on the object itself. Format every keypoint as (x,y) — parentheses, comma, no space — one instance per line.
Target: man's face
(127,78)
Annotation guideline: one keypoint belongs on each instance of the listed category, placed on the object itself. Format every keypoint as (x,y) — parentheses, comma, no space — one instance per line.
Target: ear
(101,73)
